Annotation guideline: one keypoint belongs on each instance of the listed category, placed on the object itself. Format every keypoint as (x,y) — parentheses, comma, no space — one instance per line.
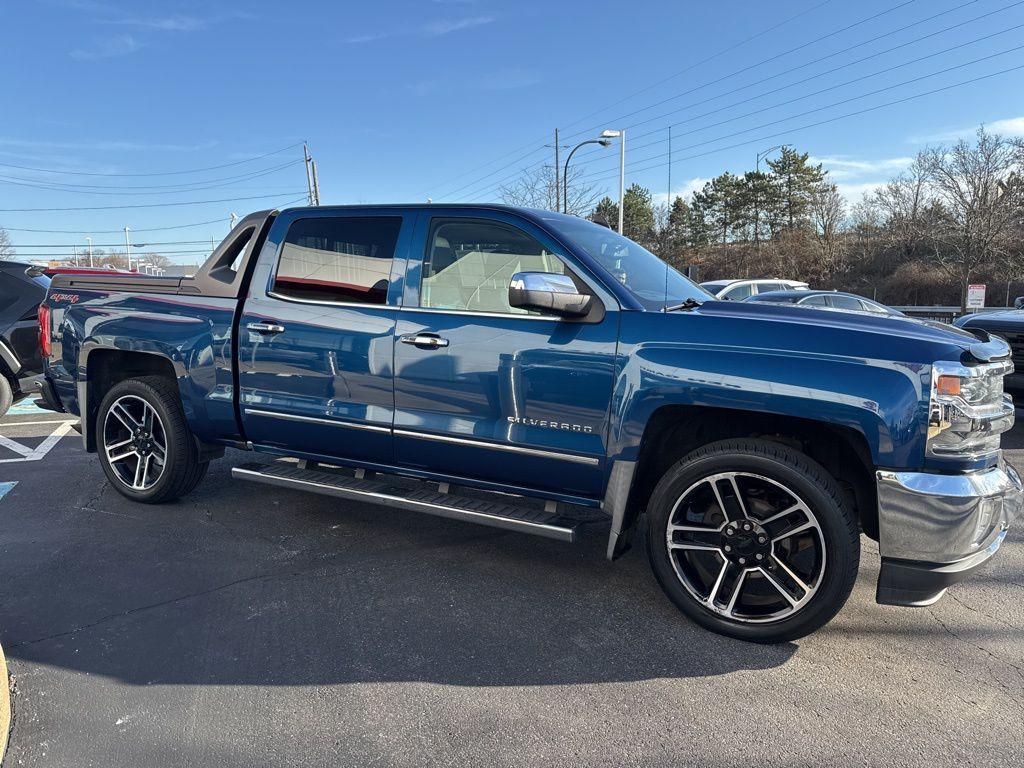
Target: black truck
(22,289)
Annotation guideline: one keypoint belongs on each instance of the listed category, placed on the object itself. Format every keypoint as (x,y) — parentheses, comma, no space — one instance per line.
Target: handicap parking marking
(39,452)
(6,488)
(27,407)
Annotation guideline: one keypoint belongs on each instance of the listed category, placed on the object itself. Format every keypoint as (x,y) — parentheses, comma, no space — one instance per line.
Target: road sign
(976,296)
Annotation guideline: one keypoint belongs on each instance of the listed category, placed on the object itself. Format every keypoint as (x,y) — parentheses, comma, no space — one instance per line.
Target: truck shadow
(240,585)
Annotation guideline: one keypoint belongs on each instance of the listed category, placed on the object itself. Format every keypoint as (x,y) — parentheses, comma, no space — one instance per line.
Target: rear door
(502,394)
(316,333)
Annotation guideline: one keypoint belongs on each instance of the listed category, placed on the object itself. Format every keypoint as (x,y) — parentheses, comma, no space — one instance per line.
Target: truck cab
(536,372)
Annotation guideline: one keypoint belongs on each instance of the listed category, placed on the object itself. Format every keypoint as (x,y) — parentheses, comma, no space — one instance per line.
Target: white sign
(976,296)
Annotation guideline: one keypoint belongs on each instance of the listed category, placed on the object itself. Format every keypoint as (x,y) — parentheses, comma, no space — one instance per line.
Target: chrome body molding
(944,518)
(317,420)
(589,460)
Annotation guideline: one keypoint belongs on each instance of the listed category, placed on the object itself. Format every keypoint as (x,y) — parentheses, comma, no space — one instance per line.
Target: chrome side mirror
(548,293)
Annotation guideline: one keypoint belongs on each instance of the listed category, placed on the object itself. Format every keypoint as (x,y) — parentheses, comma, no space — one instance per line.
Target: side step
(414,495)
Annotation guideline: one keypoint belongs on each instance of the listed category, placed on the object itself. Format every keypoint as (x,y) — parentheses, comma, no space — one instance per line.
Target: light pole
(128,248)
(621,136)
(757,193)
(89,241)
(603,141)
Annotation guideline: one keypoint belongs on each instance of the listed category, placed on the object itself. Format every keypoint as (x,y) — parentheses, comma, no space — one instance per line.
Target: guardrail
(945,314)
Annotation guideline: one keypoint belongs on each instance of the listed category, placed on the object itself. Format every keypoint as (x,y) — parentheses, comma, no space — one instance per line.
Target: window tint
(846,302)
(469,264)
(765,287)
(814,301)
(739,293)
(871,306)
(338,259)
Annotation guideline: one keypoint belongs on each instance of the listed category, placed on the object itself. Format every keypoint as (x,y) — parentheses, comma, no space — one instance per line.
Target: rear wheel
(145,446)
(6,395)
(754,540)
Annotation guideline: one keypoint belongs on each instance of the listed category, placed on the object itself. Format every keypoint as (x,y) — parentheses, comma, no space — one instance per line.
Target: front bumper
(937,529)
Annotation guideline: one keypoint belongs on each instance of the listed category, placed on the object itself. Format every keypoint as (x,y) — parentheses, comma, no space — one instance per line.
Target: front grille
(1016,342)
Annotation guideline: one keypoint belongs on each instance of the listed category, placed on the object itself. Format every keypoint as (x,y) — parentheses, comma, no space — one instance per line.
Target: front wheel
(145,446)
(754,540)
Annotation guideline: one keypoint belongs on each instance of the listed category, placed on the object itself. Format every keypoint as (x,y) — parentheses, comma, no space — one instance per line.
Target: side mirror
(548,293)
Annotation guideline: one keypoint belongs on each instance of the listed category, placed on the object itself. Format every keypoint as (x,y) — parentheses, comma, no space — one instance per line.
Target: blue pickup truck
(538,373)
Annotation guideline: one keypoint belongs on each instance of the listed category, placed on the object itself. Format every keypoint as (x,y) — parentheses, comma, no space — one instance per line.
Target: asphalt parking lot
(248,625)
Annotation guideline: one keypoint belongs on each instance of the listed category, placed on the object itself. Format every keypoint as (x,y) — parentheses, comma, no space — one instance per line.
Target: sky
(167,117)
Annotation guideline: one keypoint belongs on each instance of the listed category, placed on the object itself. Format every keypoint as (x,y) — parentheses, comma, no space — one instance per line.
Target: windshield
(653,282)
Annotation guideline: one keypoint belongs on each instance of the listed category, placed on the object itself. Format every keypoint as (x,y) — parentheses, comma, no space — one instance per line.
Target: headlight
(968,410)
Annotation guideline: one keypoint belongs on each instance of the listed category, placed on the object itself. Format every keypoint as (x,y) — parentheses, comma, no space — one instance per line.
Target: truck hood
(861,334)
(1006,321)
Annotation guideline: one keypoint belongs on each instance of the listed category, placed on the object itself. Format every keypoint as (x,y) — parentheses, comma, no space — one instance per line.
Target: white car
(738,290)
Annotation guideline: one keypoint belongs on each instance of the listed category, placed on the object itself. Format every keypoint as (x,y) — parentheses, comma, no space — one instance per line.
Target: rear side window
(846,302)
(814,301)
(342,259)
(469,264)
(765,287)
(739,293)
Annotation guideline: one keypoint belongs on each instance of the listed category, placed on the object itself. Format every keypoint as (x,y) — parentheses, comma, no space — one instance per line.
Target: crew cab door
(316,334)
(487,391)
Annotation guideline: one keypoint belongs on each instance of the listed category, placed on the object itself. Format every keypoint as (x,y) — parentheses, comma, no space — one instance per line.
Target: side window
(739,293)
(341,258)
(846,302)
(765,287)
(814,301)
(469,263)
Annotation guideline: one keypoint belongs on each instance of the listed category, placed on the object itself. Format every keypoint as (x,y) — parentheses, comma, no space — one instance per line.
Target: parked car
(738,290)
(1009,324)
(849,302)
(21,292)
(533,371)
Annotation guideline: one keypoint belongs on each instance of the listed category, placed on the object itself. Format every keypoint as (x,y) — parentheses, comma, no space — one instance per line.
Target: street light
(603,141)
(621,136)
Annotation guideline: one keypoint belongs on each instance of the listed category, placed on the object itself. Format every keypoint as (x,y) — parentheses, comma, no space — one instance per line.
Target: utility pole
(622,177)
(75,248)
(558,177)
(670,168)
(316,183)
(128,248)
(89,240)
(312,183)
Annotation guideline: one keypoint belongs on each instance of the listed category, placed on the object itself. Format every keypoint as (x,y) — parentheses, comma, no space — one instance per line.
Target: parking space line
(30,423)
(7,487)
(30,454)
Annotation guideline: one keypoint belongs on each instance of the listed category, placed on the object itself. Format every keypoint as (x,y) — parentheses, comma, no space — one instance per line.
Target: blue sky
(401,101)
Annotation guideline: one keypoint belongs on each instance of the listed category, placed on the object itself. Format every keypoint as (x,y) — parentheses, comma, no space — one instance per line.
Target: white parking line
(37,453)
(29,423)
(6,488)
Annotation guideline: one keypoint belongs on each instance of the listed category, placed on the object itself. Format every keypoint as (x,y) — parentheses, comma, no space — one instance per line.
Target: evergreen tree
(606,213)
(638,219)
(796,182)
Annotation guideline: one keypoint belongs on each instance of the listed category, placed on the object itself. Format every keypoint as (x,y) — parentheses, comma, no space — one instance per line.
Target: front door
(484,390)
(316,336)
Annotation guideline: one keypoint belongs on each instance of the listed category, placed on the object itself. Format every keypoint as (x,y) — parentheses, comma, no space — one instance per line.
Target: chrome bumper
(936,529)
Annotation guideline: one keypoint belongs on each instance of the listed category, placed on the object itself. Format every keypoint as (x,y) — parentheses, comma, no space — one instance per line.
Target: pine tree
(796,182)
(638,219)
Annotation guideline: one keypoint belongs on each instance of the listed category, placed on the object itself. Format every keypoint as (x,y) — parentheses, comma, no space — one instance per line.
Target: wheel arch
(675,430)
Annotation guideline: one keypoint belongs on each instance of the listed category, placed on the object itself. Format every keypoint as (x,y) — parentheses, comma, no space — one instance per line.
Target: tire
(166,447)
(782,579)
(6,395)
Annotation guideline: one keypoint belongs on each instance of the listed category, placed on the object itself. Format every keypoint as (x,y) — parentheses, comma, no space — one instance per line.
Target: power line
(163,173)
(833,69)
(829,106)
(108,245)
(829,120)
(772,77)
(219,220)
(143,247)
(713,82)
(140,205)
(143,188)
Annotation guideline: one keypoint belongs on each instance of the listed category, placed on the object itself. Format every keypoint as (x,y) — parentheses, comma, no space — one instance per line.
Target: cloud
(1009,126)
(841,167)
(853,193)
(430,29)
(696,184)
(108,48)
(165,23)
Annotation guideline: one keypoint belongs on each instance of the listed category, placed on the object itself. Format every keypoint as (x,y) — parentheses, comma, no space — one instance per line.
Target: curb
(5,705)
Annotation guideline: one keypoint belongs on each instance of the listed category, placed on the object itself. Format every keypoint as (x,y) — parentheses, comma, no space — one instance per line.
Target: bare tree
(6,249)
(828,213)
(902,204)
(537,189)
(978,203)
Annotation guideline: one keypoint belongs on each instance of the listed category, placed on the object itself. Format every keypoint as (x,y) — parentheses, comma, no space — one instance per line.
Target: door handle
(425,340)
(267,328)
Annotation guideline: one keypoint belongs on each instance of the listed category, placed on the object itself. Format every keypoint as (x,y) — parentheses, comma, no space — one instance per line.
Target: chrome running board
(415,495)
